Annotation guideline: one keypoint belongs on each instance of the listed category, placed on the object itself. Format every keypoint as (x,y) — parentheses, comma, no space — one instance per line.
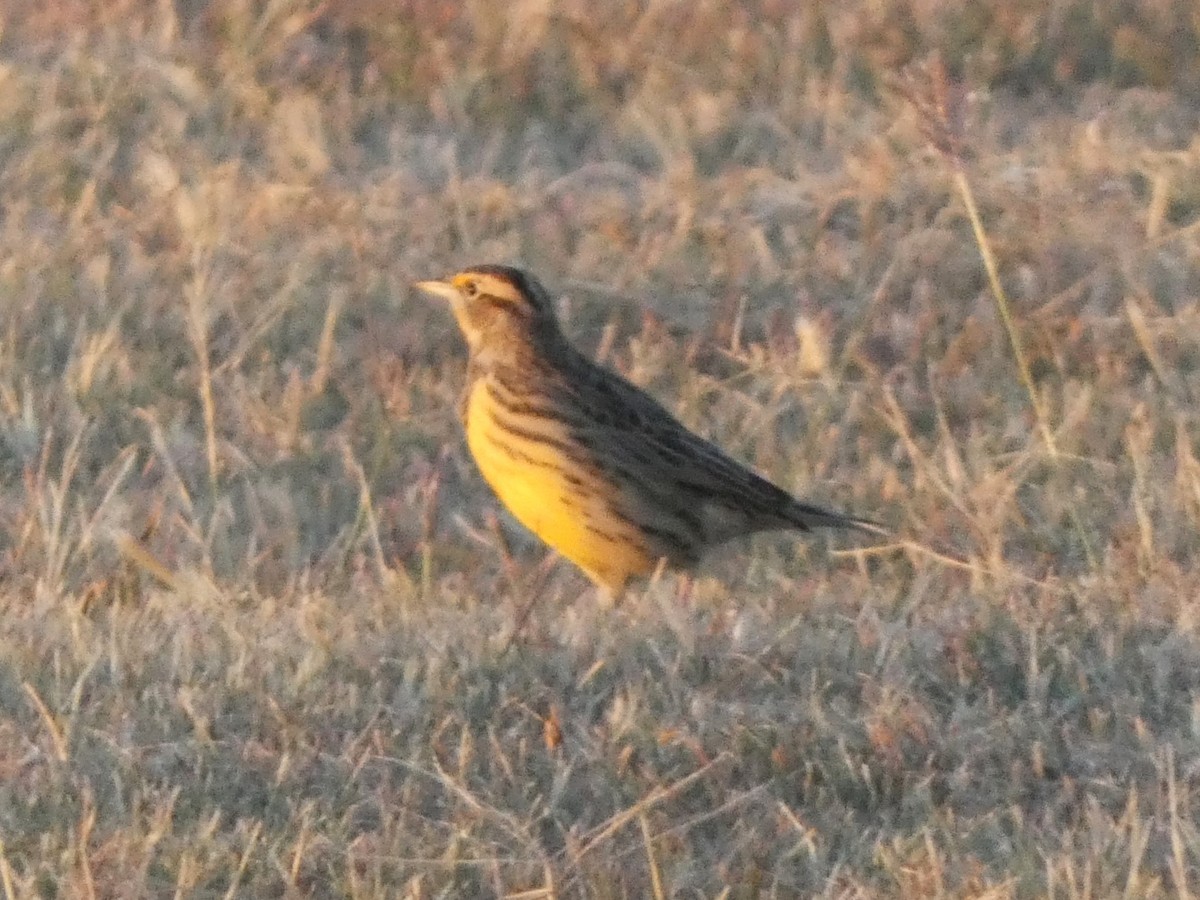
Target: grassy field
(266,633)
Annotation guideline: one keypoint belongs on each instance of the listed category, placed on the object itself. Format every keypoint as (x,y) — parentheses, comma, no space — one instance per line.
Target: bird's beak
(443,289)
(452,295)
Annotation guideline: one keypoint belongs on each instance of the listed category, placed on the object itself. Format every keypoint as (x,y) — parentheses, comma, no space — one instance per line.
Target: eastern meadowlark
(585,460)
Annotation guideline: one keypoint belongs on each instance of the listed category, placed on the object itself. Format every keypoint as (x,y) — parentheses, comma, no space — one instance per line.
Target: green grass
(264,632)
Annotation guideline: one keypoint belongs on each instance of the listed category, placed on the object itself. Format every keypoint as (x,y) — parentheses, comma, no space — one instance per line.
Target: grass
(264,630)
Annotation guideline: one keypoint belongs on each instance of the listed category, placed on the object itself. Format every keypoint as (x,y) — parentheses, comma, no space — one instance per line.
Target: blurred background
(266,631)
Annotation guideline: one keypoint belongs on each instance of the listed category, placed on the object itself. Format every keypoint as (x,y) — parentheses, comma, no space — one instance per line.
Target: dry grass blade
(57,737)
(82,847)
(656,882)
(6,875)
(511,824)
(615,823)
(197,321)
(533,894)
(244,861)
(136,553)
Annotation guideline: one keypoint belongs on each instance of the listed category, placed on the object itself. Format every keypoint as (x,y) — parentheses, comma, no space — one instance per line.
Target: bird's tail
(806,516)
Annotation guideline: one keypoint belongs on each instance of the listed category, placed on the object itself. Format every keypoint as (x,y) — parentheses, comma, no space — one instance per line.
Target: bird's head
(503,312)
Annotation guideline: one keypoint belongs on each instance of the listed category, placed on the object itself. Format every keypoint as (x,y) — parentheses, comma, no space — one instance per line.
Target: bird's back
(677,480)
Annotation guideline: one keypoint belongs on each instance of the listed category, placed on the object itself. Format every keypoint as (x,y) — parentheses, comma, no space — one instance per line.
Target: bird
(590,463)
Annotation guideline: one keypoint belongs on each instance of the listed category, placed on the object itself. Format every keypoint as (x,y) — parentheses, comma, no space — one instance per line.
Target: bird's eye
(471,289)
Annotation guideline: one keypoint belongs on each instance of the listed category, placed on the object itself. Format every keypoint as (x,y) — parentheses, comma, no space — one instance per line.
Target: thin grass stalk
(1002,307)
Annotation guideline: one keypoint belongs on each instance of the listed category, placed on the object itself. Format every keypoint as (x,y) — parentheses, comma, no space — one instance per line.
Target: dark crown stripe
(525,284)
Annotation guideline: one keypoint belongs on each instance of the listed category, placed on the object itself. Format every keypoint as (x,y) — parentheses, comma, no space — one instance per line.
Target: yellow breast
(557,498)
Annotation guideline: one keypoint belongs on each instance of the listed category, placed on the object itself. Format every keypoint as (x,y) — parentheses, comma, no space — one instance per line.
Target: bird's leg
(685,589)
(539,581)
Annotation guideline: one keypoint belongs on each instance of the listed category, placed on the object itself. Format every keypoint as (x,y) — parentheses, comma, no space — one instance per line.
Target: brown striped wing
(685,485)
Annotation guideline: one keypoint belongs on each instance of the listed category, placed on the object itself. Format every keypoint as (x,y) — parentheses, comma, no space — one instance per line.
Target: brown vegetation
(264,632)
